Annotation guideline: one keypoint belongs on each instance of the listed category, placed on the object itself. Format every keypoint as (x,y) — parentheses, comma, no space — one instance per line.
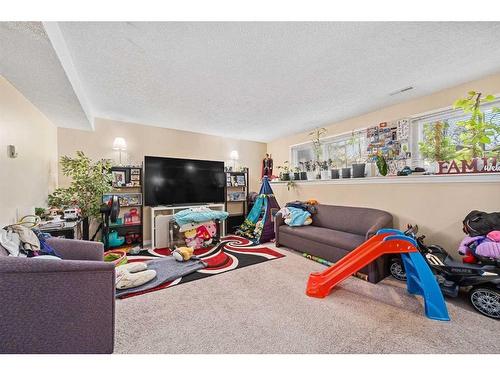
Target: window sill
(430,179)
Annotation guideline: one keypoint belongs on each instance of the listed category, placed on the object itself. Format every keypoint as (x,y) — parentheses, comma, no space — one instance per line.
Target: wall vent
(401,90)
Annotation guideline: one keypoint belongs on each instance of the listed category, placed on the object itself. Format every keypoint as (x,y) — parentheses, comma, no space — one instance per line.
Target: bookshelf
(236,199)
(127,185)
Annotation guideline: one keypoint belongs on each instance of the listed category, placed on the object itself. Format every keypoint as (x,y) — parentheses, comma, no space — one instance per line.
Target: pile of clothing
(198,225)
(485,246)
(21,241)
(297,213)
(483,235)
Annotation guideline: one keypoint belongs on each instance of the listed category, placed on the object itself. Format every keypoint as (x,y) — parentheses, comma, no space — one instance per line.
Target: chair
(58,306)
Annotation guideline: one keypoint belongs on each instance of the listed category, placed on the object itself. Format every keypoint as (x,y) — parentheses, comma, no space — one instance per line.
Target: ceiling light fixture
(401,90)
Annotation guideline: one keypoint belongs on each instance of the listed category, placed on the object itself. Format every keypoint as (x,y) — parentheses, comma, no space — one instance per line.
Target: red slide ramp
(320,284)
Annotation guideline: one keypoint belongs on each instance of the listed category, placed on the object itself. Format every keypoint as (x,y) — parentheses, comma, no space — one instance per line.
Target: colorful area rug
(231,253)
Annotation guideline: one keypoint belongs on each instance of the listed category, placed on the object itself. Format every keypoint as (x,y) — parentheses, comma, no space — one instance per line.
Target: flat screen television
(172,181)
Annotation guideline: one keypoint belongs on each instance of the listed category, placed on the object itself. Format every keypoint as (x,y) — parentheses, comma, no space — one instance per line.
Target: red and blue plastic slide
(420,279)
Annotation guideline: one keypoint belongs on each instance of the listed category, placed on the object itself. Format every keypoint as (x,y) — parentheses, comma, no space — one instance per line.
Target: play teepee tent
(259,224)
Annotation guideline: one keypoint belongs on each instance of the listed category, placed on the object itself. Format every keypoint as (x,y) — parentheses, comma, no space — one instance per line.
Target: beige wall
(26,180)
(437,208)
(148,140)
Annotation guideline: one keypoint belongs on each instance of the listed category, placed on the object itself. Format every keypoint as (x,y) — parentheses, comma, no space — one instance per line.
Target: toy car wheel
(486,300)
(397,270)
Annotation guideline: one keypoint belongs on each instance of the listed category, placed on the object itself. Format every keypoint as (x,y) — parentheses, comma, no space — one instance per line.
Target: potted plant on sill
(359,167)
(334,171)
(323,167)
(381,163)
(296,173)
(310,169)
(316,136)
(478,130)
(89,181)
(303,173)
(437,145)
(285,174)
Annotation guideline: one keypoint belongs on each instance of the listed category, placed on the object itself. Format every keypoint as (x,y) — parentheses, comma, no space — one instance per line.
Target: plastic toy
(481,278)
(181,254)
(118,257)
(114,240)
(421,281)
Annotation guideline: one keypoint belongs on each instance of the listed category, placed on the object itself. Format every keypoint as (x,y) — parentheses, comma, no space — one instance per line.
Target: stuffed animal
(182,254)
(192,240)
(211,228)
(134,274)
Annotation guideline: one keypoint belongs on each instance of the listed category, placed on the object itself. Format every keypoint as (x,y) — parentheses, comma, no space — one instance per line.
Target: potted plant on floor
(437,145)
(359,167)
(89,181)
(285,174)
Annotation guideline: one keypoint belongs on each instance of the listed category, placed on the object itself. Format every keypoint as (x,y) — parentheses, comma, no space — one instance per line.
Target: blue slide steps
(419,278)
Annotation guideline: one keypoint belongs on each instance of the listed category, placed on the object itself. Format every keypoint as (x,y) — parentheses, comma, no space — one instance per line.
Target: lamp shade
(119,144)
(234,155)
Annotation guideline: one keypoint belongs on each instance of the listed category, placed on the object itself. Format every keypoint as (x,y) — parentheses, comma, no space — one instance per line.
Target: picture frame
(118,178)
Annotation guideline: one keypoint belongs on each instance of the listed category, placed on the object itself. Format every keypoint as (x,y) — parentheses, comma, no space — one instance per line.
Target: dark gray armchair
(58,306)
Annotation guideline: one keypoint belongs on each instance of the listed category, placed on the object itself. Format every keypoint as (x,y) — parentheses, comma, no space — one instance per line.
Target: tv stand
(161,215)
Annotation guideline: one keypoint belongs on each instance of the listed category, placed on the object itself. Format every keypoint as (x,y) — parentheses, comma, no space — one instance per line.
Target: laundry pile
(483,235)
(198,225)
(21,241)
(297,213)
(485,246)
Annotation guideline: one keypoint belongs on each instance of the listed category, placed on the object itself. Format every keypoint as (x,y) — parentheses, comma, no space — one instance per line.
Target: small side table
(69,229)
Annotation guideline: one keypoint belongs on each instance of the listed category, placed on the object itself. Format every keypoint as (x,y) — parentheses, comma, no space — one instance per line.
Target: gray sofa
(58,306)
(334,232)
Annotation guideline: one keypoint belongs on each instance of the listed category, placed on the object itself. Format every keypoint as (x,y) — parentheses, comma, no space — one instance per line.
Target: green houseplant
(437,145)
(478,130)
(359,167)
(285,174)
(89,181)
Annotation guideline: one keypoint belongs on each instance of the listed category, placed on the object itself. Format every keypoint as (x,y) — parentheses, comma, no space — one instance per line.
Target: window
(398,141)
(450,121)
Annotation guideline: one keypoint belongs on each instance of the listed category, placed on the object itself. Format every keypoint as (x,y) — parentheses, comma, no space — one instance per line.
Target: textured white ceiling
(29,62)
(260,81)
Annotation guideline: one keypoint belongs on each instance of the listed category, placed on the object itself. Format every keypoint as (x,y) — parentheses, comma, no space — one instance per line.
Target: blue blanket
(198,215)
(297,216)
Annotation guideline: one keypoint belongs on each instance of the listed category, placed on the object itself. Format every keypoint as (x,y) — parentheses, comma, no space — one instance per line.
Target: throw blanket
(167,269)
(198,215)
(296,217)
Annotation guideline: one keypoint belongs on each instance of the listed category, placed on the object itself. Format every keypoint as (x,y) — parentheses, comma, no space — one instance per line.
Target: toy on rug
(133,274)
(118,257)
(181,254)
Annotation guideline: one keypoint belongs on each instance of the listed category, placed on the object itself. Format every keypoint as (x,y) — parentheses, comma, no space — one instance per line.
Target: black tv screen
(171,181)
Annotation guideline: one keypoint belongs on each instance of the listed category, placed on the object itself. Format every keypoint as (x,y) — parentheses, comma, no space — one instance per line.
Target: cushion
(357,220)
(343,240)
(3,251)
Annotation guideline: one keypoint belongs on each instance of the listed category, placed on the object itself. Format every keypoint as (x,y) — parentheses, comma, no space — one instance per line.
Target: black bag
(478,223)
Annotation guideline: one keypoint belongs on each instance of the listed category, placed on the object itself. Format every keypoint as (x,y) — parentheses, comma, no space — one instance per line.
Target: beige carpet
(263,309)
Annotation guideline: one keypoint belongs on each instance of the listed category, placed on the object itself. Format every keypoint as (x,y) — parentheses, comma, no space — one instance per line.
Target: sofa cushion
(343,240)
(357,220)
(3,251)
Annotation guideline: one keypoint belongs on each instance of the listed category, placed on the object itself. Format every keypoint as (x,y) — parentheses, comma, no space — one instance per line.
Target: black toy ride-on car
(481,279)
